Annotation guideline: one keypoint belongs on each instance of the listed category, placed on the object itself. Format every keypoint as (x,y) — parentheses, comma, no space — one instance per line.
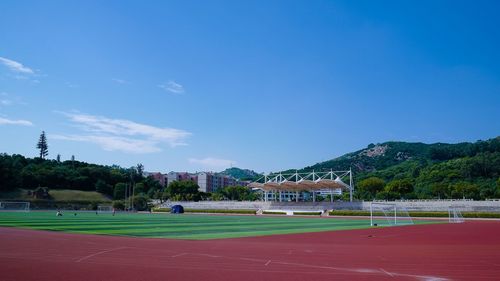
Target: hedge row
(213,211)
(349,213)
(415,214)
(220,211)
(480,215)
(307,213)
(273,213)
(161,210)
(333,213)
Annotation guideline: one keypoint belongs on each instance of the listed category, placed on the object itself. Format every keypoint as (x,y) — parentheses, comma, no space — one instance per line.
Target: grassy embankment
(59,198)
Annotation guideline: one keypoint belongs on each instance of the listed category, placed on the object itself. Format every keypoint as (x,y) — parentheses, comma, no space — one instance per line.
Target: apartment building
(207,181)
(210,182)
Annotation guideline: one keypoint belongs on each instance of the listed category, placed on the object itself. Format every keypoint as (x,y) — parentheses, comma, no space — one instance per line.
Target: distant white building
(207,181)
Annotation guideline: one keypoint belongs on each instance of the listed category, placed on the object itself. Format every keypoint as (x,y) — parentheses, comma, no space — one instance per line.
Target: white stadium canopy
(310,181)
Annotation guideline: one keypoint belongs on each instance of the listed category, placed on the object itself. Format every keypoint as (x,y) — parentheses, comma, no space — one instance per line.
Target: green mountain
(390,170)
(384,155)
(440,170)
(242,174)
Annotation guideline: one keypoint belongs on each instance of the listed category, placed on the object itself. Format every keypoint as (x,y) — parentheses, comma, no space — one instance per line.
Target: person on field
(59,213)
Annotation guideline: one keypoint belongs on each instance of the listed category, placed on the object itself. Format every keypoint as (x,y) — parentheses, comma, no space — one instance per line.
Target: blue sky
(265,85)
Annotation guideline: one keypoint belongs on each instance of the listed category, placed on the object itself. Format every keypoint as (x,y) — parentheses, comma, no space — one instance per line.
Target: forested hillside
(17,171)
(242,174)
(391,170)
(394,170)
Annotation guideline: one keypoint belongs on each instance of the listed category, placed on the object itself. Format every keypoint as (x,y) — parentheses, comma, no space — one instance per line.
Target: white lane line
(386,272)
(99,253)
(249,259)
(268,262)
(178,255)
(210,256)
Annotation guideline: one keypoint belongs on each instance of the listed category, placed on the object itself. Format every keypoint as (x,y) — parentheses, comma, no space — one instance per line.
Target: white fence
(410,205)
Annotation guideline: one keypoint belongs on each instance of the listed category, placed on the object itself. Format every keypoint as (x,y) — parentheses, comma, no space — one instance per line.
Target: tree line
(17,171)
(471,177)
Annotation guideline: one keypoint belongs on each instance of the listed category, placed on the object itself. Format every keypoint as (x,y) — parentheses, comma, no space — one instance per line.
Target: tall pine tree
(43,146)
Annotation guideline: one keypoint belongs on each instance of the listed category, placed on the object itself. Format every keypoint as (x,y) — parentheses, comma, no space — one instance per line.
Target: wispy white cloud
(173,87)
(210,162)
(5,102)
(120,81)
(123,135)
(72,85)
(4,121)
(100,124)
(8,100)
(16,66)
(113,143)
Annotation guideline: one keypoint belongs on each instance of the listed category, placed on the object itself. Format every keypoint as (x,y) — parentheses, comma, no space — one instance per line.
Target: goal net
(388,214)
(455,215)
(104,209)
(15,206)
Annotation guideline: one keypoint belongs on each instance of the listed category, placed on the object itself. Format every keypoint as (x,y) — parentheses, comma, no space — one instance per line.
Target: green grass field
(186,226)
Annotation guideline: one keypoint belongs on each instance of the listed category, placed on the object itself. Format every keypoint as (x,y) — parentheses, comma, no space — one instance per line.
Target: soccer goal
(388,214)
(15,206)
(455,215)
(104,209)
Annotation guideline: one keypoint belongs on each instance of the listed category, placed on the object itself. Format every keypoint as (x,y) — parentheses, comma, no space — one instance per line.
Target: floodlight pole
(395,214)
(351,187)
(371,214)
(125,199)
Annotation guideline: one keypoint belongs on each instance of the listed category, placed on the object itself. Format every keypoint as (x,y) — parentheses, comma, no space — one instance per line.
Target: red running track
(467,251)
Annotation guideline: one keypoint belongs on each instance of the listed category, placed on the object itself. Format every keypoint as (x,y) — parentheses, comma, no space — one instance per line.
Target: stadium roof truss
(310,181)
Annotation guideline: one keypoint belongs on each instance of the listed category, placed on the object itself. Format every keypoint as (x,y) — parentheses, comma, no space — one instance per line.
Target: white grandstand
(288,187)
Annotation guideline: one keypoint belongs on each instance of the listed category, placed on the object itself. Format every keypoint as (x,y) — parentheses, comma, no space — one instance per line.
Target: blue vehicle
(177,209)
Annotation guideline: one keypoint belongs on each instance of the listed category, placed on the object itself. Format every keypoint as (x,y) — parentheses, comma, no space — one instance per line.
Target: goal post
(14,206)
(105,209)
(388,214)
(455,215)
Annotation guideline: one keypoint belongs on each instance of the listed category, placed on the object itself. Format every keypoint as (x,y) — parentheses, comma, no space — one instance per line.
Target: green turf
(185,226)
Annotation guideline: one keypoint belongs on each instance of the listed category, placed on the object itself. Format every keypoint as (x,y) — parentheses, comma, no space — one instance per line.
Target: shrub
(141,203)
(307,213)
(41,193)
(207,211)
(416,214)
(118,205)
(349,213)
(273,213)
(161,210)
(93,206)
(220,211)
